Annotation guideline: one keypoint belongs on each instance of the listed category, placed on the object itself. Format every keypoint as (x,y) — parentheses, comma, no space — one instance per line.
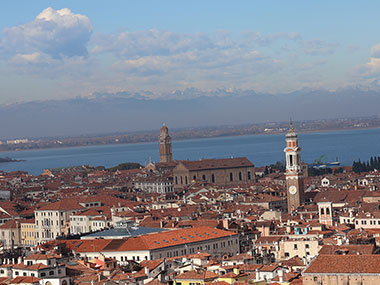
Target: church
(231,171)
(222,172)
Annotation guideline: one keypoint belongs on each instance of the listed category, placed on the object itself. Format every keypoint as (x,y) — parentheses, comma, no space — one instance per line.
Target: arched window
(204,177)
(327,211)
(249,175)
(290,159)
(240,176)
(322,211)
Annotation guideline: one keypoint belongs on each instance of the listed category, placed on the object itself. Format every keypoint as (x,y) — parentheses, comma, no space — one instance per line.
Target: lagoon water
(260,149)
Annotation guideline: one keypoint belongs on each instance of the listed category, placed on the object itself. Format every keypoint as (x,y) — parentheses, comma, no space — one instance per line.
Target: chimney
(280,275)
(146,270)
(225,224)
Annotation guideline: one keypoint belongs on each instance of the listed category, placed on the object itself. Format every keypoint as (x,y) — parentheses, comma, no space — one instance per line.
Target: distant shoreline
(8,159)
(195,137)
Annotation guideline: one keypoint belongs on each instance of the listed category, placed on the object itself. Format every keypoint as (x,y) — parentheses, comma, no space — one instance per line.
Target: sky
(65,49)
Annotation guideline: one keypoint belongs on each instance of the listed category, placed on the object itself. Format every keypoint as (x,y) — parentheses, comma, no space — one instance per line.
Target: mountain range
(125,111)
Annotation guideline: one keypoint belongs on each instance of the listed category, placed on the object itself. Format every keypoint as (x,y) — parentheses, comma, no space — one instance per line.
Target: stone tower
(325,211)
(294,175)
(165,142)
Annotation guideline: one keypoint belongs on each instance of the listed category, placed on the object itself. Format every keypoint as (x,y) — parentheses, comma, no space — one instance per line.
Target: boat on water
(318,163)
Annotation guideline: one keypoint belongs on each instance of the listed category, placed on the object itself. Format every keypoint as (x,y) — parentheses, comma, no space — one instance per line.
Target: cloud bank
(59,54)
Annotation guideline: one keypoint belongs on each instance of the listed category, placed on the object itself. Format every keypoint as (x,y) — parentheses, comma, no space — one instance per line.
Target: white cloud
(318,47)
(57,33)
(27,58)
(375,51)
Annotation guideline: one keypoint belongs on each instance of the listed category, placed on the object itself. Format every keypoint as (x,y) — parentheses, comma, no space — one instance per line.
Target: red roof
(62,205)
(345,264)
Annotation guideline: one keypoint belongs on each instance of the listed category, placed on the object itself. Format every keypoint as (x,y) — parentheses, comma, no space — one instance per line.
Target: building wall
(224,177)
(28,234)
(367,223)
(10,237)
(155,187)
(51,224)
(353,279)
(80,224)
(304,248)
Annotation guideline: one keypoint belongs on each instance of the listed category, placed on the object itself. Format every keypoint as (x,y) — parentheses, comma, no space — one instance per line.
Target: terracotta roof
(25,279)
(11,224)
(198,275)
(62,205)
(217,163)
(172,238)
(40,256)
(36,266)
(345,264)
(347,249)
(268,239)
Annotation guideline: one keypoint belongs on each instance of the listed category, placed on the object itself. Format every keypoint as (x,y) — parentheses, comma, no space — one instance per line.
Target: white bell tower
(294,175)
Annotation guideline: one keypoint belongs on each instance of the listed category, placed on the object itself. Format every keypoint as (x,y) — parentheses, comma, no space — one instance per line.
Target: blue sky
(64,49)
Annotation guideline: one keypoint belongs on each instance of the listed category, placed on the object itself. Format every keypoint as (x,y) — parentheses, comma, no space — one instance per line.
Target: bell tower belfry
(294,175)
(165,145)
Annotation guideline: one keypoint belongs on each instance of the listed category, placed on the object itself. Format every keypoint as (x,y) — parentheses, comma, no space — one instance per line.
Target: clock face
(292,189)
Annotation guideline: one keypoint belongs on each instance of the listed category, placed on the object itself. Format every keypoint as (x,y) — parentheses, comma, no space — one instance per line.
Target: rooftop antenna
(291,125)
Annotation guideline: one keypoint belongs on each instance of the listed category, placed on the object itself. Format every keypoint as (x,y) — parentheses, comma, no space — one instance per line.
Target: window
(240,176)
(51,272)
(327,211)
(295,246)
(176,180)
(290,160)
(203,177)
(16,273)
(231,177)
(194,177)
(24,273)
(322,211)
(181,180)
(307,246)
(249,175)
(286,254)
(185,179)
(212,178)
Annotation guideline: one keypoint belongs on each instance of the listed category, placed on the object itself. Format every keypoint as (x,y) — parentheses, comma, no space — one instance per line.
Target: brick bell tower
(165,142)
(294,175)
